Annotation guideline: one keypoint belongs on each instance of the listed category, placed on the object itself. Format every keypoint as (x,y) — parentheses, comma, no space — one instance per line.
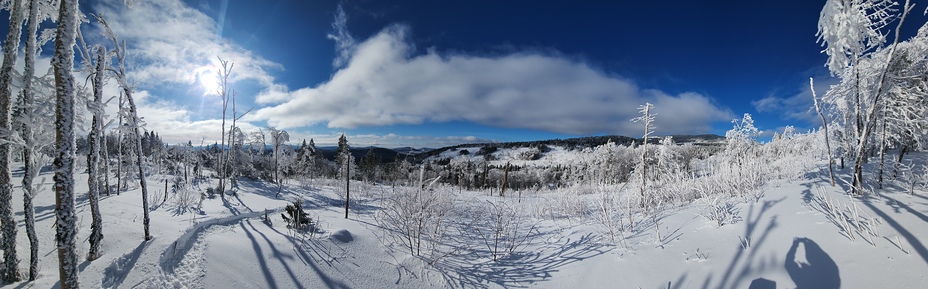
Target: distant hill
(578,143)
(416,155)
(384,154)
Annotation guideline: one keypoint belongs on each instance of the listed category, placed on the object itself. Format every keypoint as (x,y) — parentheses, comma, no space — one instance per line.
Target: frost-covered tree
(235,138)
(94,157)
(278,138)
(35,129)
(851,30)
(821,114)
(905,101)
(305,162)
(741,146)
(7,222)
(344,162)
(65,91)
(742,138)
(224,93)
(647,117)
(848,29)
(132,117)
(96,65)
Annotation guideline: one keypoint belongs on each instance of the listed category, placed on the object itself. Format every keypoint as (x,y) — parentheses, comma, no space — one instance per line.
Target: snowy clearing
(790,237)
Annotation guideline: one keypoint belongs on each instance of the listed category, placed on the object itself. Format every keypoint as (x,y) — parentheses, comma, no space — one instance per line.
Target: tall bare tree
(8,226)
(278,137)
(132,117)
(34,126)
(66,224)
(224,93)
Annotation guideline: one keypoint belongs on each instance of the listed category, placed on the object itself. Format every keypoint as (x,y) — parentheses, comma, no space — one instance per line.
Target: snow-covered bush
(502,226)
(719,210)
(417,218)
(610,216)
(185,198)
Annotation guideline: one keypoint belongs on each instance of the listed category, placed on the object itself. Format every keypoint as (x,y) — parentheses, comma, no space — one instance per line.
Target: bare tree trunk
(831,158)
(231,155)
(502,190)
(138,146)
(119,161)
(8,226)
(106,163)
(30,168)
(224,86)
(133,120)
(882,152)
(872,113)
(93,160)
(899,160)
(347,183)
(66,223)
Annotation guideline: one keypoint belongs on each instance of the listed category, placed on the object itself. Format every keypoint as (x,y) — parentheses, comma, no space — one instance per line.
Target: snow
(227,244)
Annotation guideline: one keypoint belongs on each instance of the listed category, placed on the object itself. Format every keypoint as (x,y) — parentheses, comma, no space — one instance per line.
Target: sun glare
(209,82)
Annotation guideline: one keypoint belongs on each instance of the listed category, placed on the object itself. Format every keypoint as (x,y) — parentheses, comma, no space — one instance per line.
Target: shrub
(296,218)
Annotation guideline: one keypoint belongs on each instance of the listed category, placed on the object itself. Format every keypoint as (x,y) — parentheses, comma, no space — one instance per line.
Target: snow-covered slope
(803,234)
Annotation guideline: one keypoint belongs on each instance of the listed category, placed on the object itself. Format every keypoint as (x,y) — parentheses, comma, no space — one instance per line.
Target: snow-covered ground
(801,234)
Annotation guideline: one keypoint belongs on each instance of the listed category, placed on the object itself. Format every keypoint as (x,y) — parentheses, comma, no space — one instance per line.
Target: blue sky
(435,73)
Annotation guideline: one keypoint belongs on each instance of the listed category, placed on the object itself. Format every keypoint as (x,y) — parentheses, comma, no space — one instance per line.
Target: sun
(209,81)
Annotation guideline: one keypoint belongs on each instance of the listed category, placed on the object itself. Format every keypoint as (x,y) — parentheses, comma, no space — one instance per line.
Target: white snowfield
(800,234)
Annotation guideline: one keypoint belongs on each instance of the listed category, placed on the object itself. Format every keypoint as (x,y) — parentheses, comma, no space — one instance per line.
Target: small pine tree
(296,217)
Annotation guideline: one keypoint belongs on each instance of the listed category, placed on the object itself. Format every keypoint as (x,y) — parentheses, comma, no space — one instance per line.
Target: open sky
(435,73)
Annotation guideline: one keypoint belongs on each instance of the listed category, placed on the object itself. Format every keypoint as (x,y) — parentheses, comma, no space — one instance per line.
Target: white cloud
(170,42)
(385,83)
(344,42)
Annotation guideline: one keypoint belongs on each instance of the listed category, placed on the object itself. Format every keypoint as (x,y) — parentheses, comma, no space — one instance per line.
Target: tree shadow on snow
(319,201)
(300,249)
(913,240)
(517,269)
(745,261)
(116,272)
